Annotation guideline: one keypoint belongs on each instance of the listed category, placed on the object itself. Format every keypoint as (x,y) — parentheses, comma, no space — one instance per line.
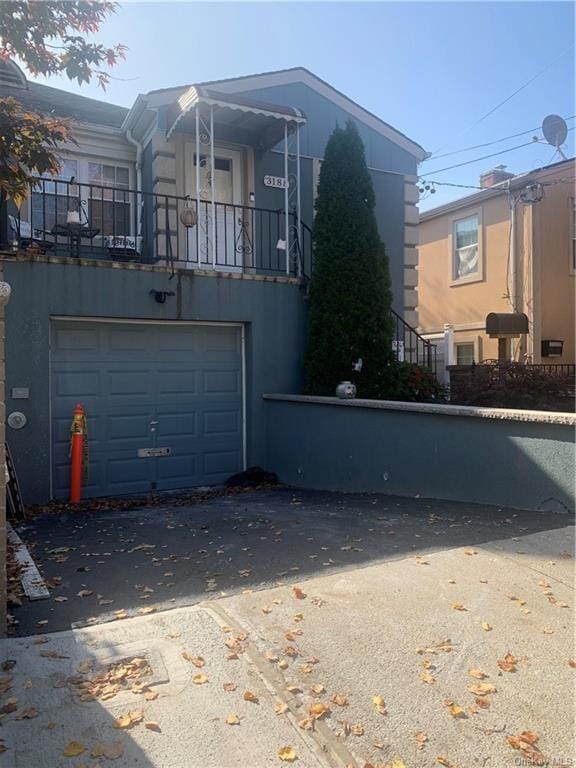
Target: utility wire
(489,143)
(511,96)
(485,157)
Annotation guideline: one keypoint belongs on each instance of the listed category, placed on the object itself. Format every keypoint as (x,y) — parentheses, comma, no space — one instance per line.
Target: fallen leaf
(470,552)
(445,762)
(27,714)
(199,679)
(249,696)
(458,607)
(233,719)
(482,689)
(146,610)
(426,677)
(85,593)
(283,664)
(317,689)
(112,751)
(357,729)
(129,719)
(486,627)
(198,661)
(444,646)
(291,651)
(298,593)
(477,673)
(280,708)
(397,763)
(150,695)
(287,754)
(294,688)
(73,749)
(318,711)
(572,663)
(230,686)
(307,724)
(340,699)
(483,703)
(152,725)
(379,705)
(421,739)
(508,663)
(456,711)
(525,742)
(60,599)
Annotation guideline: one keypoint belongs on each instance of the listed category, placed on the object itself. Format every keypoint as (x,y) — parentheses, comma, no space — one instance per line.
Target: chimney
(495,176)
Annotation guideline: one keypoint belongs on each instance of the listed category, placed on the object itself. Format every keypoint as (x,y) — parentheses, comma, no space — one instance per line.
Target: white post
(449,356)
(286,207)
(300,231)
(198,213)
(213,186)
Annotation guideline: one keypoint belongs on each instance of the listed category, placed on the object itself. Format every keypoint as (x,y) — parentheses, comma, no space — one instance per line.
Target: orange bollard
(77,437)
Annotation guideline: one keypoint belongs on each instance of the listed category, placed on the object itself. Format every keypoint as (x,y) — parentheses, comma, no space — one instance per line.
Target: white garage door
(163,401)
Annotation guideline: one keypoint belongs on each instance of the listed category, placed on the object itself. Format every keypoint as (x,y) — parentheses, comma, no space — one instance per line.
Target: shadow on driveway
(156,558)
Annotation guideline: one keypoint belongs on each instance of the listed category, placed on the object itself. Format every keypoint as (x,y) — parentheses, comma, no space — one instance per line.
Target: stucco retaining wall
(520,459)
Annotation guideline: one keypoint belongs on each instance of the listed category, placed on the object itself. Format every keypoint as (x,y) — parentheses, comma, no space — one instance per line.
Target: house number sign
(147,453)
(279,182)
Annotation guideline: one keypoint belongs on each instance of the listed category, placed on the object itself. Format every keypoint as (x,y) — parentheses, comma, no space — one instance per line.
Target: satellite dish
(555,131)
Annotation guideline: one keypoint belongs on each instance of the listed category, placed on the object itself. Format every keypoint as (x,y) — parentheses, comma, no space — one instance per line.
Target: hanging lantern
(188,215)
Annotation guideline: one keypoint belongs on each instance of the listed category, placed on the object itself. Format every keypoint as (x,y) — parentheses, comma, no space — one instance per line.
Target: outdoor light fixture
(188,215)
(161,296)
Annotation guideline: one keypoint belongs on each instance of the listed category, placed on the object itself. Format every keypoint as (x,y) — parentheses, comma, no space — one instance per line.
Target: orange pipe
(76,453)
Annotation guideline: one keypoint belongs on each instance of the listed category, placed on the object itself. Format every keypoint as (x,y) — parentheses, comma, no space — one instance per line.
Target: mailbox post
(505,326)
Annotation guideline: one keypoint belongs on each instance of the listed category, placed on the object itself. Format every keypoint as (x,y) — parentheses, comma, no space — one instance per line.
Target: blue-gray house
(160,280)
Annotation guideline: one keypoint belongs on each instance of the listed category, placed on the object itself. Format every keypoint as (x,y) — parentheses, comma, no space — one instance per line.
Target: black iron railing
(67,218)
(410,347)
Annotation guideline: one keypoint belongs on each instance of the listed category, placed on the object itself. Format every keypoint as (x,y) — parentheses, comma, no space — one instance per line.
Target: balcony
(90,221)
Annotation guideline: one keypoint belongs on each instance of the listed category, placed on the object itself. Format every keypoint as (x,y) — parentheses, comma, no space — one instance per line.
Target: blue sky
(430,69)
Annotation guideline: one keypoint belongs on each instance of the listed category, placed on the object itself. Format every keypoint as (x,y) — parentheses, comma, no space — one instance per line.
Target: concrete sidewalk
(344,639)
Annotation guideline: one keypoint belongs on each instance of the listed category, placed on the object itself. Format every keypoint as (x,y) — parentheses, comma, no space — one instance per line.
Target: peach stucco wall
(544,282)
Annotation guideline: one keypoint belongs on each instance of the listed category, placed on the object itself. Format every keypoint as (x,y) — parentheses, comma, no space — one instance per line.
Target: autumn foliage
(49,38)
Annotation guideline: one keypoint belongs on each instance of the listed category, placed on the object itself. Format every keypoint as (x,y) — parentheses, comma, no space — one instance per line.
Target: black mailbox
(506,324)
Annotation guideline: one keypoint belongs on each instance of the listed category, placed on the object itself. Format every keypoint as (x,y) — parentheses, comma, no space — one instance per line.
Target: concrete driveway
(158,558)
(453,649)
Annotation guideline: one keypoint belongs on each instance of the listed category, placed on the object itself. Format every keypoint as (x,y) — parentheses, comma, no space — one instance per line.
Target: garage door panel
(219,465)
(173,425)
(174,470)
(221,422)
(221,382)
(176,382)
(185,378)
(67,383)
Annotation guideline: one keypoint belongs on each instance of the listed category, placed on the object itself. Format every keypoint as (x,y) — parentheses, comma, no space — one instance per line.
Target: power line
(486,157)
(489,143)
(511,96)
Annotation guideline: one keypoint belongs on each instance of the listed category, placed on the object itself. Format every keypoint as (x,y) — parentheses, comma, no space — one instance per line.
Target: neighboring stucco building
(507,248)
(161,279)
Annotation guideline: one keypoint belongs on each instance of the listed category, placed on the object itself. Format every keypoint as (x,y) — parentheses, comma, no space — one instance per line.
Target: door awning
(236,118)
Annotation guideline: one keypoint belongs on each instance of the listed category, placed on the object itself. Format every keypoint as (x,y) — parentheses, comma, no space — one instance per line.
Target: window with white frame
(466,248)
(100,194)
(465,353)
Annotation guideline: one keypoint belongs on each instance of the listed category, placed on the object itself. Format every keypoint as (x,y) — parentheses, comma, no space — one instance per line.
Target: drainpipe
(138,145)
(513,298)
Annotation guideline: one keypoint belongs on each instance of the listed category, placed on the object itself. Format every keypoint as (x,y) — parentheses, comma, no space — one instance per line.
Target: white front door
(219,245)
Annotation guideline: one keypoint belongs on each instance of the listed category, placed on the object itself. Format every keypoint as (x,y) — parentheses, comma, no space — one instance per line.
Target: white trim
(301,75)
(148,321)
(478,276)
